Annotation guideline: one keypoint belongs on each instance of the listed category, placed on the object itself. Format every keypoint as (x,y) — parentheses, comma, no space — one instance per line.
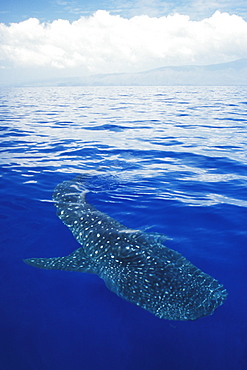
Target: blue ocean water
(171,160)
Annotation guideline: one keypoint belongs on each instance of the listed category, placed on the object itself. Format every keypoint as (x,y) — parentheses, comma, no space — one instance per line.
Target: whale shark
(134,264)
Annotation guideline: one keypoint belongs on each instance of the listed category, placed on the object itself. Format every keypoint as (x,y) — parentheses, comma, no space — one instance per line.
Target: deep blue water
(173,160)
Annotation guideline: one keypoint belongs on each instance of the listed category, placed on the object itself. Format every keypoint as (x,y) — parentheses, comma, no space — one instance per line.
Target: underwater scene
(123,228)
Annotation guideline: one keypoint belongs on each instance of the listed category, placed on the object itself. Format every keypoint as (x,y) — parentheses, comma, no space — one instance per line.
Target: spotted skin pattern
(133,264)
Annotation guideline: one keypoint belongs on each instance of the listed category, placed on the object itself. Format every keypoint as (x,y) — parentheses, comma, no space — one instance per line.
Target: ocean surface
(171,160)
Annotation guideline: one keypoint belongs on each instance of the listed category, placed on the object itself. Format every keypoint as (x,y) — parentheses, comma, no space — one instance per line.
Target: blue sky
(59,38)
(49,10)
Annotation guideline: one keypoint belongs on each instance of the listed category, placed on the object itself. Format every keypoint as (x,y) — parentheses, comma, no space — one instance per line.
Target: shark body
(135,265)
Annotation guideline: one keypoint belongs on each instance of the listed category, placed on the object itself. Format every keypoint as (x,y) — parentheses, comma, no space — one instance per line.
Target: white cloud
(104,43)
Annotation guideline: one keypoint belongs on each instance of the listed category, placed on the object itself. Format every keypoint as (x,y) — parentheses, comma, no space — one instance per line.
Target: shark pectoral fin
(46,263)
(76,261)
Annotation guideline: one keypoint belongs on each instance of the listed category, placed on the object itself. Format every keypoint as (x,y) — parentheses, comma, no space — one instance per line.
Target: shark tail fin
(76,261)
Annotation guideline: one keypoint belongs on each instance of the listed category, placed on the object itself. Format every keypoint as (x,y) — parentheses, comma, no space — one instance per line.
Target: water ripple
(194,139)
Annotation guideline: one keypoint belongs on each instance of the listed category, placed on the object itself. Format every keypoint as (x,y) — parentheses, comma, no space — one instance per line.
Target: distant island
(225,74)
